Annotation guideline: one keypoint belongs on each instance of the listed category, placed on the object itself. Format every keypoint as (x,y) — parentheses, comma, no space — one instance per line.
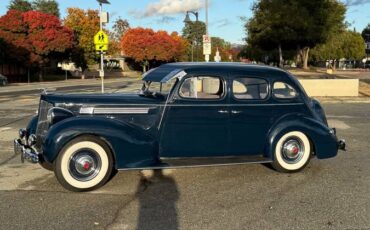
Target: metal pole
(66,75)
(101,53)
(207,56)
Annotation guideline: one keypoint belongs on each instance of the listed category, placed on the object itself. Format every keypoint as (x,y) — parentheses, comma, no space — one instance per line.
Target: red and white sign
(207,47)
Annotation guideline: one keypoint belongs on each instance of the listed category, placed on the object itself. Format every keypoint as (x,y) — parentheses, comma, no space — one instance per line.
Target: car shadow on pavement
(157,195)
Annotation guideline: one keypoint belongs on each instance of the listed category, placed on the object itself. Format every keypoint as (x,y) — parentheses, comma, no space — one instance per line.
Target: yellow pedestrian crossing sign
(101,38)
(101,47)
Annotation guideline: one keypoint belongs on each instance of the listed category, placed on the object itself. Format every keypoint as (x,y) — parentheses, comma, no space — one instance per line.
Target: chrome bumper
(27,153)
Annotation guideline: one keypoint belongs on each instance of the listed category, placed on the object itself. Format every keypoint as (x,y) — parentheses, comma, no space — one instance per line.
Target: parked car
(185,115)
(3,80)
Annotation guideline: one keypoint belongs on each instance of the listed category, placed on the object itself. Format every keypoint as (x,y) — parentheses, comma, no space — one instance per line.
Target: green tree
(299,24)
(193,32)
(47,7)
(345,44)
(223,47)
(21,5)
(366,33)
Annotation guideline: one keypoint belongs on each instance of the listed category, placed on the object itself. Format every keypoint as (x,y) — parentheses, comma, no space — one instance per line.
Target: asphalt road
(329,194)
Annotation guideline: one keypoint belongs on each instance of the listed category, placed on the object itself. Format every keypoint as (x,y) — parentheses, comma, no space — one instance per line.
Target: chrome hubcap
(292,150)
(84,165)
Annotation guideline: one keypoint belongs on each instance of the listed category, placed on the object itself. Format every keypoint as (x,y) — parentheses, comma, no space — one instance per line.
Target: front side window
(283,90)
(248,88)
(203,87)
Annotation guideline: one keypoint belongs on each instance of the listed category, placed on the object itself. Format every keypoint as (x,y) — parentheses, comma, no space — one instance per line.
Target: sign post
(101,40)
(207,47)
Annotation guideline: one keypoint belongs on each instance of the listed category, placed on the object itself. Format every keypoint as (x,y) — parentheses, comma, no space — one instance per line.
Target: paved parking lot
(329,194)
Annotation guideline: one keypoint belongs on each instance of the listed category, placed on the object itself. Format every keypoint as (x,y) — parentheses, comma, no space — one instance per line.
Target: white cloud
(170,7)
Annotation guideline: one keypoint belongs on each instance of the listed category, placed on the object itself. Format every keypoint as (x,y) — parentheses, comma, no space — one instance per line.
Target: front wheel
(292,152)
(84,164)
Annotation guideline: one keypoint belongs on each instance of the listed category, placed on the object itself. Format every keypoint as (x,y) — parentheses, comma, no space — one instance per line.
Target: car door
(250,114)
(195,123)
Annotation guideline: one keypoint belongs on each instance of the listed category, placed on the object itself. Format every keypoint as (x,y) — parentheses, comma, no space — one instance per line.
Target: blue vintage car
(187,114)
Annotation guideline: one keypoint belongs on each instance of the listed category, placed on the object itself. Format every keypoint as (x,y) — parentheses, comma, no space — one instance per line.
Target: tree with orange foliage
(85,24)
(146,45)
(36,36)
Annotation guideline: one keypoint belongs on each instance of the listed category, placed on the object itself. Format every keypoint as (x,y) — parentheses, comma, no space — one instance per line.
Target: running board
(192,162)
(212,161)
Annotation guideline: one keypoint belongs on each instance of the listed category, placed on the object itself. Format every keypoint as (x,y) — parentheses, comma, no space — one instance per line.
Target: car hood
(100,99)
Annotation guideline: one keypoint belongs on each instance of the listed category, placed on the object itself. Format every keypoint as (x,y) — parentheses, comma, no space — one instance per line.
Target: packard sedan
(186,115)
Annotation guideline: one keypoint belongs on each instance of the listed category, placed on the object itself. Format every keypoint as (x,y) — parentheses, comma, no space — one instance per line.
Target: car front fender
(131,147)
(324,143)
(32,125)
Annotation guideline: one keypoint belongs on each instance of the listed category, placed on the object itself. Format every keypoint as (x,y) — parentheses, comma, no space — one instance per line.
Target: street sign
(101,38)
(207,45)
(206,39)
(207,48)
(101,47)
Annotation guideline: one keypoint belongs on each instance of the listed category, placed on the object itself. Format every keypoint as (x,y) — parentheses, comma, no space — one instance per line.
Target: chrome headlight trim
(32,140)
(50,116)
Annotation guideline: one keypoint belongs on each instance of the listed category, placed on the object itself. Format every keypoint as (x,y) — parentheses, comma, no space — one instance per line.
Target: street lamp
(101,72)
(187,18)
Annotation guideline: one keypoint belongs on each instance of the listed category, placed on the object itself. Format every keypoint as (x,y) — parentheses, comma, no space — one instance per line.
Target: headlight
(32,140)
(57,114)
(22,133)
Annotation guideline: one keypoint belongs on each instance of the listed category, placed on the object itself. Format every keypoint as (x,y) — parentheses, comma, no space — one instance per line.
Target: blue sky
(224,15)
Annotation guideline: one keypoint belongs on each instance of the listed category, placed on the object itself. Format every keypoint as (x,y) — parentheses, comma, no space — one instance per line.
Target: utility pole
(207,32)
(101,72)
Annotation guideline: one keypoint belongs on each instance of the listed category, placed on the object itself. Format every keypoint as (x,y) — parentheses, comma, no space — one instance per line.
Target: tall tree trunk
(305,52)
(41,73)
(281,61)
(298,59)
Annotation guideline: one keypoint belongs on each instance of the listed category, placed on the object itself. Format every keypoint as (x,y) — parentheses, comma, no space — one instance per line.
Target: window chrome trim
(177,73)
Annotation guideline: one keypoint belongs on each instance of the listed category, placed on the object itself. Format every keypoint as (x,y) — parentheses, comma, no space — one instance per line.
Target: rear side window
(248,88)
(283,90)
(202,87)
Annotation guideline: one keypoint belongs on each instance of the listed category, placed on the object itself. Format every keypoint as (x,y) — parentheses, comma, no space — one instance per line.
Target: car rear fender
(323,142)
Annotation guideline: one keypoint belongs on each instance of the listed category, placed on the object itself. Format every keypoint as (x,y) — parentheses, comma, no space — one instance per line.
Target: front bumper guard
(342,145)
(27,153)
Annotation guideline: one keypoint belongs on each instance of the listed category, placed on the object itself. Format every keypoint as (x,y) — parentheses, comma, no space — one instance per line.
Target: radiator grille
(42,124)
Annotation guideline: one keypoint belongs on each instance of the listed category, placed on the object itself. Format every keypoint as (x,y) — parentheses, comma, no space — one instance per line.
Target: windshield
(158,88)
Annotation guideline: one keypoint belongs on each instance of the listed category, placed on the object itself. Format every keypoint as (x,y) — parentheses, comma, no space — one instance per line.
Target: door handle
(223,111)
(236,112)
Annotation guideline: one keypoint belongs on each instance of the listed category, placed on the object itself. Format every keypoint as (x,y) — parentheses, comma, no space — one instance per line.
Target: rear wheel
(292,152)
(84,164)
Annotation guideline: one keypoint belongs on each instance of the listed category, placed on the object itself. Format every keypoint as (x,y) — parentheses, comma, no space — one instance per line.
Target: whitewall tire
(292,152)
(84,164)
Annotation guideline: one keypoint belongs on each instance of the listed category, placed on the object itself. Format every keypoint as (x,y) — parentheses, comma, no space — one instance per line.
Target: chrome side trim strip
(198,104)
(113,110)
(87,110)
(121,110)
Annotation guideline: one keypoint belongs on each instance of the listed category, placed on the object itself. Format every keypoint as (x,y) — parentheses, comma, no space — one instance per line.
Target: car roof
(167,71)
